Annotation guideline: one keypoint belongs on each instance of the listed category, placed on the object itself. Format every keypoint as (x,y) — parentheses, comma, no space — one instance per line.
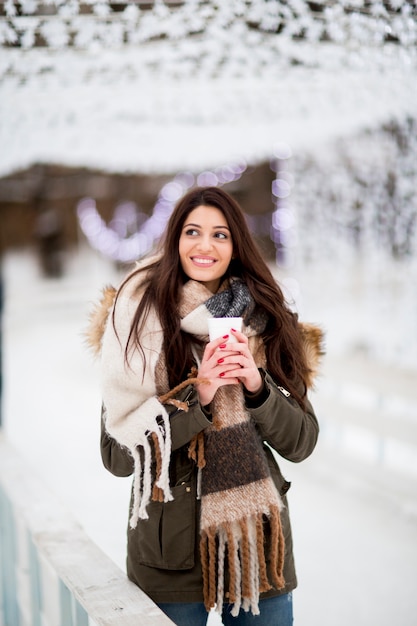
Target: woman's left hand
(238,363)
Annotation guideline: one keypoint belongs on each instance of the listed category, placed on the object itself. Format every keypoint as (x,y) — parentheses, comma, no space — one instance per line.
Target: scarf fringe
(196,450)
(157,447)
(167,398)
(242,543)
(145,487)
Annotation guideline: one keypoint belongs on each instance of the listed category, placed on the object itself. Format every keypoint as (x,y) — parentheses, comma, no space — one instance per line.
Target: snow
(107,110)
(354,517)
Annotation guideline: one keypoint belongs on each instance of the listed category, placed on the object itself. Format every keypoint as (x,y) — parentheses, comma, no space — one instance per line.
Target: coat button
(188,489)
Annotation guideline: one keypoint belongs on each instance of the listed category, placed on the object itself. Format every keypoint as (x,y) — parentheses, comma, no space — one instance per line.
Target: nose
(205,243)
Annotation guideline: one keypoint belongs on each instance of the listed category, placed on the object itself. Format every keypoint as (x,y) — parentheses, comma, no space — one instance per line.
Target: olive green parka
(163,551)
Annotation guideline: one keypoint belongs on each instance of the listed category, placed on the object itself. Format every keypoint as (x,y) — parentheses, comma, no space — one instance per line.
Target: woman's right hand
(210,369)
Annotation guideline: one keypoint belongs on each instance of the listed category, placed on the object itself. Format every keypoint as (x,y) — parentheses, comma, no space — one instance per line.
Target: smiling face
(205,246)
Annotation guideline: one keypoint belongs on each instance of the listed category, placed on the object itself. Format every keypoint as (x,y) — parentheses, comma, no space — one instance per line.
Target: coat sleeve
(116,458)
(186,424)
(284,425)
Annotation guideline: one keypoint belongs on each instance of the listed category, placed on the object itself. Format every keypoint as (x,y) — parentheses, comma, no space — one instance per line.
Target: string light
(233,26)
(219,48)
(114,244)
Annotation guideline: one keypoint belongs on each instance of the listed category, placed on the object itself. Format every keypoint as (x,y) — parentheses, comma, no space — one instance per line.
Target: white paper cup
(220,326)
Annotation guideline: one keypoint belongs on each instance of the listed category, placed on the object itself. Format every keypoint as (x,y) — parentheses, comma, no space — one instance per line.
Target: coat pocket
(167,539)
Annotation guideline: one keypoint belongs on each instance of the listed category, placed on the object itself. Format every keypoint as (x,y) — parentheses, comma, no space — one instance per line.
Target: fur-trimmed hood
(98,317)
(313,335)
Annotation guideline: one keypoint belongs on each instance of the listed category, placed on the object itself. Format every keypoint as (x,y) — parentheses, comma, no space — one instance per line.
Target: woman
(195,420)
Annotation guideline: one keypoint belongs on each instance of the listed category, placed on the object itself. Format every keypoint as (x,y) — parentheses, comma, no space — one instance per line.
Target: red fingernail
(225,336)
(222,374)
(220,361)
(234,330)
(222,345)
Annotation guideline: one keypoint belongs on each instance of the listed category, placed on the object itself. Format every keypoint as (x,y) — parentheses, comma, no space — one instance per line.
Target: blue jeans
(275,611)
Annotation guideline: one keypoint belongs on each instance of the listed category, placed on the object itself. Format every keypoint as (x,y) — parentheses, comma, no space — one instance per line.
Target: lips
(203,261)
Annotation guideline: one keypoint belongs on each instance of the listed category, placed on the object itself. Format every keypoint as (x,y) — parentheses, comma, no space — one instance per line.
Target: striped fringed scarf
(238,496)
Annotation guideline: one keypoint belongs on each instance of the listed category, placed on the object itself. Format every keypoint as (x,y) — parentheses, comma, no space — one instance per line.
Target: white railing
(369,408)
(51,572)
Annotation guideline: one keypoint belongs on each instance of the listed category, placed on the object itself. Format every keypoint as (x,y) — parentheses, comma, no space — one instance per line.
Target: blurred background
(306,112)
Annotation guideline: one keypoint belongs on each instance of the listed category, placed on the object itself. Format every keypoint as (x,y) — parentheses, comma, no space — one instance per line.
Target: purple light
(280,188)
(283,219)
(112,240)
(172,191)
(282,151)
(207,179)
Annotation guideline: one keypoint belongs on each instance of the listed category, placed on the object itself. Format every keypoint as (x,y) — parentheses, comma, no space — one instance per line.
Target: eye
(191,232)
(220,235)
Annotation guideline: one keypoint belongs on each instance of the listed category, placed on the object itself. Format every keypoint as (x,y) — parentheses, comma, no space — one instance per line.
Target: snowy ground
(354,514)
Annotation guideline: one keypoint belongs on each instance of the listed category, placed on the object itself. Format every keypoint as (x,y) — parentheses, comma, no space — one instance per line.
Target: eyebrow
(199,226)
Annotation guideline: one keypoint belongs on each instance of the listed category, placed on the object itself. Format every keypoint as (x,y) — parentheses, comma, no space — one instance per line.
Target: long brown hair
(164,277)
